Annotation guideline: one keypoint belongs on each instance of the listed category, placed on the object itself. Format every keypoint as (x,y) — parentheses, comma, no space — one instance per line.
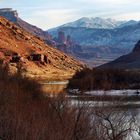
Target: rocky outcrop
(62,42)
(16,44)
(115,42)
(12,15)
(61,37)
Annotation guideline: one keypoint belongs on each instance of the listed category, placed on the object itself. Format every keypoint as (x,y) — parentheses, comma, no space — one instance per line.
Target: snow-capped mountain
(99,23)
(106,43)
(101,32)
(124,37)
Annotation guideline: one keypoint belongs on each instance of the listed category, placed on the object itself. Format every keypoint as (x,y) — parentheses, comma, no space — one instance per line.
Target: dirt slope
(13,40)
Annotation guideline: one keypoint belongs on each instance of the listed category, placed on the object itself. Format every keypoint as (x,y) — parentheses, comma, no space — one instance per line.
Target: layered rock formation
(12,15)
(103,44)
(16,43)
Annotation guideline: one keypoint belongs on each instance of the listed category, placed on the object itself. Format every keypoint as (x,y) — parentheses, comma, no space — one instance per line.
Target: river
(131,107)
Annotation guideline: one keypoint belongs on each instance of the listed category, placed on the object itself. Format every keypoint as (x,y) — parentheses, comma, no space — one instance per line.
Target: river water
(132,108)
(55,87)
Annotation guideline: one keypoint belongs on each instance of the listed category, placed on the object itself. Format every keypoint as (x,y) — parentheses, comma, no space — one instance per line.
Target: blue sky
(50,13)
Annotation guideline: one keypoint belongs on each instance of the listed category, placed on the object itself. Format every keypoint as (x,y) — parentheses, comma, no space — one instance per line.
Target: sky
(47,14)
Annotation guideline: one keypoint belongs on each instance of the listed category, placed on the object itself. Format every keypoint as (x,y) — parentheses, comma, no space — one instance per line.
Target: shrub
(25,114)
(105,79)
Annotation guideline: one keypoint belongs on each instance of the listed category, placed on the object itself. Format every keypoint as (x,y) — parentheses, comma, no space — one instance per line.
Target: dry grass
(26,115)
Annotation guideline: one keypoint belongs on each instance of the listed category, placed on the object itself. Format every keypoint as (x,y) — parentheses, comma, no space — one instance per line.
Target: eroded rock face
(12,16)
(15,40)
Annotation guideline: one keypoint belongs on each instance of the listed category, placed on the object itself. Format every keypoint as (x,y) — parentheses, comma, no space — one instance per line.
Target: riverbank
(110,95)
(105,79)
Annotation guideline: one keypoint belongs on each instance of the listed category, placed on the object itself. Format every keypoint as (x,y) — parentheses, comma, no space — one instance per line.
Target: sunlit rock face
(19,47)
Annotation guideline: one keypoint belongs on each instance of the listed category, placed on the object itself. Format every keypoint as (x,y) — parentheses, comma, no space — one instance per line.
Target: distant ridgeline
(101,41)
(129,61)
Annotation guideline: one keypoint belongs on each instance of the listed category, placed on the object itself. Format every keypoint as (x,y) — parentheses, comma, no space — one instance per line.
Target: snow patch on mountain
(97,22)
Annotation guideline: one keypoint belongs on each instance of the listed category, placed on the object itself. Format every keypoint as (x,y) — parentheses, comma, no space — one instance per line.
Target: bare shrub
(105,79)
(25,114)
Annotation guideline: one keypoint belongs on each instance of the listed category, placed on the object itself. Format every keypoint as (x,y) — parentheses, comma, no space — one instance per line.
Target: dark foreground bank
(105,79)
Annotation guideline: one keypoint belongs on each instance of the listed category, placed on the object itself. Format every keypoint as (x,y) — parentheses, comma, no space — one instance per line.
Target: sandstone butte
(15,40)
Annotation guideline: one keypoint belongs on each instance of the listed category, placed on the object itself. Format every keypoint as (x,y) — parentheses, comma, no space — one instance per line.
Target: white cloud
(51,13)
(109,1)
(52,17)
(128,16)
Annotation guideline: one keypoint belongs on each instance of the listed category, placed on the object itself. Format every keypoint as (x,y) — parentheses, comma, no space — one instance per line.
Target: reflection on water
(54,87)
(123,115)
(114,120)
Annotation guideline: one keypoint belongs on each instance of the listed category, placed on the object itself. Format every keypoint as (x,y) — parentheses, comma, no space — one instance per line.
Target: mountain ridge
(12,16)
(124,37)
(97,23)
(128,61)
(119,41)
